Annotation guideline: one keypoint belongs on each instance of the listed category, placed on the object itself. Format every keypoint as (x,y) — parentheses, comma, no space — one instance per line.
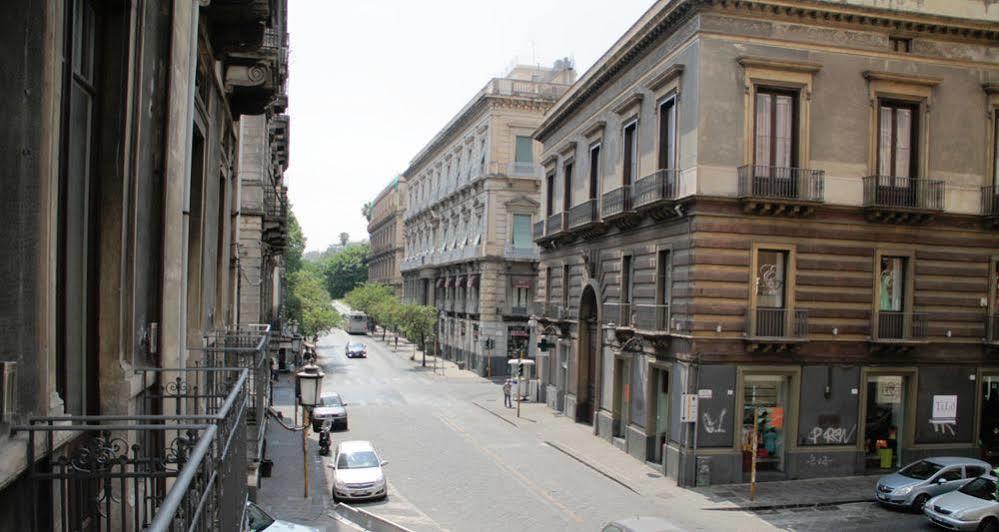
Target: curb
(367,520)
(768,507)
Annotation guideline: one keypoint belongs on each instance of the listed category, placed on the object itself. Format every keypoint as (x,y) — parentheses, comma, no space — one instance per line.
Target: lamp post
(310,385)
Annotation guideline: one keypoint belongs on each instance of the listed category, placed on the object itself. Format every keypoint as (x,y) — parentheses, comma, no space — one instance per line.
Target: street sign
(688,408)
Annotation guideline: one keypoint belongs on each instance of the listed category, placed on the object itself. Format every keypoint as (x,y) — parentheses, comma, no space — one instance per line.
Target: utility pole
(305,448)
(520,377)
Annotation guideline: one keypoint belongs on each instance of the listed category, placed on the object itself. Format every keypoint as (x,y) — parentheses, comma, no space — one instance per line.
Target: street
(457,462)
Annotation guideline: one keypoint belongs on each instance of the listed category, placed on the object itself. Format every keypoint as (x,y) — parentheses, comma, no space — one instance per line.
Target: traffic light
(543,344)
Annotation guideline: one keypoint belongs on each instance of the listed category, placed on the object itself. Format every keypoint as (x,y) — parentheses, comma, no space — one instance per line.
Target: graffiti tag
(714,426)
(831,435)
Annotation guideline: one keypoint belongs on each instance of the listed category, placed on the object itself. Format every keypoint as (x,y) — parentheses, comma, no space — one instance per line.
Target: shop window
(989,426)
(764,406)
(883,421)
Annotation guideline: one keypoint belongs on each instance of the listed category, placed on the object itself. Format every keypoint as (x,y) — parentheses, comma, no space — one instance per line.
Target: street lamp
(310,385)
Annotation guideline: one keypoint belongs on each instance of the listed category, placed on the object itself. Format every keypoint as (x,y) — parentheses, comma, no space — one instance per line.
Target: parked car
(357,472)
(919,481)
(357,349)
(971,507)
(640,524)
(332,409)
(258,519)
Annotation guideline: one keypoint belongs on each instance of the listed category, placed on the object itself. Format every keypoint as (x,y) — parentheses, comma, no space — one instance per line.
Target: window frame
(567,168)
(914,136)
(773,92)
(790,285)
(665,161)
(594,177)
(629,153)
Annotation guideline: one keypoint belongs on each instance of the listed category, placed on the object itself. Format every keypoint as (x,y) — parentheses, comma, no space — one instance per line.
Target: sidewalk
(444,368)
(282,495)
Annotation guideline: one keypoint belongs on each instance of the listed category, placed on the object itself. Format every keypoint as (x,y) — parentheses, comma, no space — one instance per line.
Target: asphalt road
(454,466)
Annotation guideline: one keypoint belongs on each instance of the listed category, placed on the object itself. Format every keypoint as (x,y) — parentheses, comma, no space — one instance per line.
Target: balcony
(655,194)
(651,319)
(902,200)
(519,169)
(898,331)
(618,209)
(177,465)
(619,314)
(780,191)
(556,225)
(275,220)
(584,219)
(990,206)
(518,311)
(538,231)
(513,252)
(776,329)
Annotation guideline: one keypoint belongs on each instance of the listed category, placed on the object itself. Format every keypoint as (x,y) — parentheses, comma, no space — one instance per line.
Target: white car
(972,507)
(357,472)
(257,519)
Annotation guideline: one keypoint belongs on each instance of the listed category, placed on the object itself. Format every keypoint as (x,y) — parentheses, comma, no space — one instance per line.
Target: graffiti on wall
(714,425)
(831,435)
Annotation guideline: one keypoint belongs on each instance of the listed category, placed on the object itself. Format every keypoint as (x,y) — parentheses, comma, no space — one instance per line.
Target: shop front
(988,426)
(884,421)
(765,403)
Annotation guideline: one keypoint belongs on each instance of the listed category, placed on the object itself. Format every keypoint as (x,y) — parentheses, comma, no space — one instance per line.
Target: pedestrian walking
(507,400)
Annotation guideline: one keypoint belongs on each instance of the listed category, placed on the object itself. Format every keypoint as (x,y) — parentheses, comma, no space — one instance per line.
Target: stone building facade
(786,214)
(124,224)
(385,235)
(472,197)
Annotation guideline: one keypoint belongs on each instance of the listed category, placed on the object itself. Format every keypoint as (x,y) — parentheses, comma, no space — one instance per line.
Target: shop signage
(705,393)
(688,408)
(944,408)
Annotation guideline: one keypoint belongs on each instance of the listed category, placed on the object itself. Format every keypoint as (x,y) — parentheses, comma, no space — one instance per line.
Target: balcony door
(897,157)
(775,132)
(891,298)
(594,171)
(771,292)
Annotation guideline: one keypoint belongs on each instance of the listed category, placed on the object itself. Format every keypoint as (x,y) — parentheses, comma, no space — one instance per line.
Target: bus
(356,322)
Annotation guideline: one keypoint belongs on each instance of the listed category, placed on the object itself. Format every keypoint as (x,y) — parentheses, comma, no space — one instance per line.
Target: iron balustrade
(651,317)
(891,325)
(275,202)
(556,223)
(990,201)
(619,314)
(778,323)
(903,193)
(659,186)
(517,311)
(522,169)
(513,252)
(538,231)
(617,201)
(149,471)
(780,182)
(583,214)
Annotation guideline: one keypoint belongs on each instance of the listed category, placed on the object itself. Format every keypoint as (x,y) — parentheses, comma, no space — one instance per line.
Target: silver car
(357,472)
(331,409)
(919,481)
(972,507)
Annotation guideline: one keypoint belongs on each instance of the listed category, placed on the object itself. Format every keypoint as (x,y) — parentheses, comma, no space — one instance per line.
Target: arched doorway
(587,352)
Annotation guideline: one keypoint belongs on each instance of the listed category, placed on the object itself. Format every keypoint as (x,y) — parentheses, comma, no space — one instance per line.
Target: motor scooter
(325,440)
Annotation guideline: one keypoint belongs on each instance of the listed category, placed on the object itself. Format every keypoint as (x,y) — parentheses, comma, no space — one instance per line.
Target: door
(947,480)
(662,413)
(764,406)
(989,428)
(883,421)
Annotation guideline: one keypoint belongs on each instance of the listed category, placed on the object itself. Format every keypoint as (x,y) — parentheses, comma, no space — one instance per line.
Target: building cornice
(664,17)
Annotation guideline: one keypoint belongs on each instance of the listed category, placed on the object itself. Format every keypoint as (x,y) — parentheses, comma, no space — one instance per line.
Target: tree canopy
(345,270)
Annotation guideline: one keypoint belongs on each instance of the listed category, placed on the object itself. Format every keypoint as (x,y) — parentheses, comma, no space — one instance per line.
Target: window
(897,139)
(770,278)
(630,154)
(549,193)
(567,186)
(667,134)
(900,44)
(973,471)
(595,171)
(951,474)
(482,159)
(891,291)
(995,150)
(521,293)
(775,128)
(521,237)
(627,280)
(524,150)
(663,282)
(548,285)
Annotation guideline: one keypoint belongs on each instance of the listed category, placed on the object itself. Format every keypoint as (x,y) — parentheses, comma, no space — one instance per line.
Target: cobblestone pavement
(460,461)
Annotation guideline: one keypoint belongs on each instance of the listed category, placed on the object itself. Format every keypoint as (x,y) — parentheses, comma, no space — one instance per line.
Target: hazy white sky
(373,80)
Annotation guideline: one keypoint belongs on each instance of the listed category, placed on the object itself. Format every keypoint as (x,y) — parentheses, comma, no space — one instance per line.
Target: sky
(372,81)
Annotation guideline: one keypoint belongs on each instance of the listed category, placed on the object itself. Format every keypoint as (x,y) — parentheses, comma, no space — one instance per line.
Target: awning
(521,282)
(473,281)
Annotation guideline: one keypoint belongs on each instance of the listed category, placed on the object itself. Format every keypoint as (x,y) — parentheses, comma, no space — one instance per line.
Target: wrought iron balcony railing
(555,224)
(781,183)
(891,325)
(275,203)
(180,468)
(990,201)
(778,323)
(619,314)
(538,231)
(617,201)
(890,192)
(659,186)
(650,317)
(512,252)
(583,214)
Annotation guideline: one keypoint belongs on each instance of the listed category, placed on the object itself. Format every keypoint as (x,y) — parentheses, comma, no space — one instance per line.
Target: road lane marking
(526,482)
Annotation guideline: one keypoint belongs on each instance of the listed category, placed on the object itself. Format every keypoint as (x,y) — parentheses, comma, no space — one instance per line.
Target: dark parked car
(357,349)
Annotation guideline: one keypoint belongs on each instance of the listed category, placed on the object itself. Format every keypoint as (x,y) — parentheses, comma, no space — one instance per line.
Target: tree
(296,244)
(344,238)
(418,323)
(312,303)
(364,296)
(366,210)
(345,270)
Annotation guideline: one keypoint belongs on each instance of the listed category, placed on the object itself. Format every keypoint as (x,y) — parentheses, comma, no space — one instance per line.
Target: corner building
(472,198)
(787,212)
